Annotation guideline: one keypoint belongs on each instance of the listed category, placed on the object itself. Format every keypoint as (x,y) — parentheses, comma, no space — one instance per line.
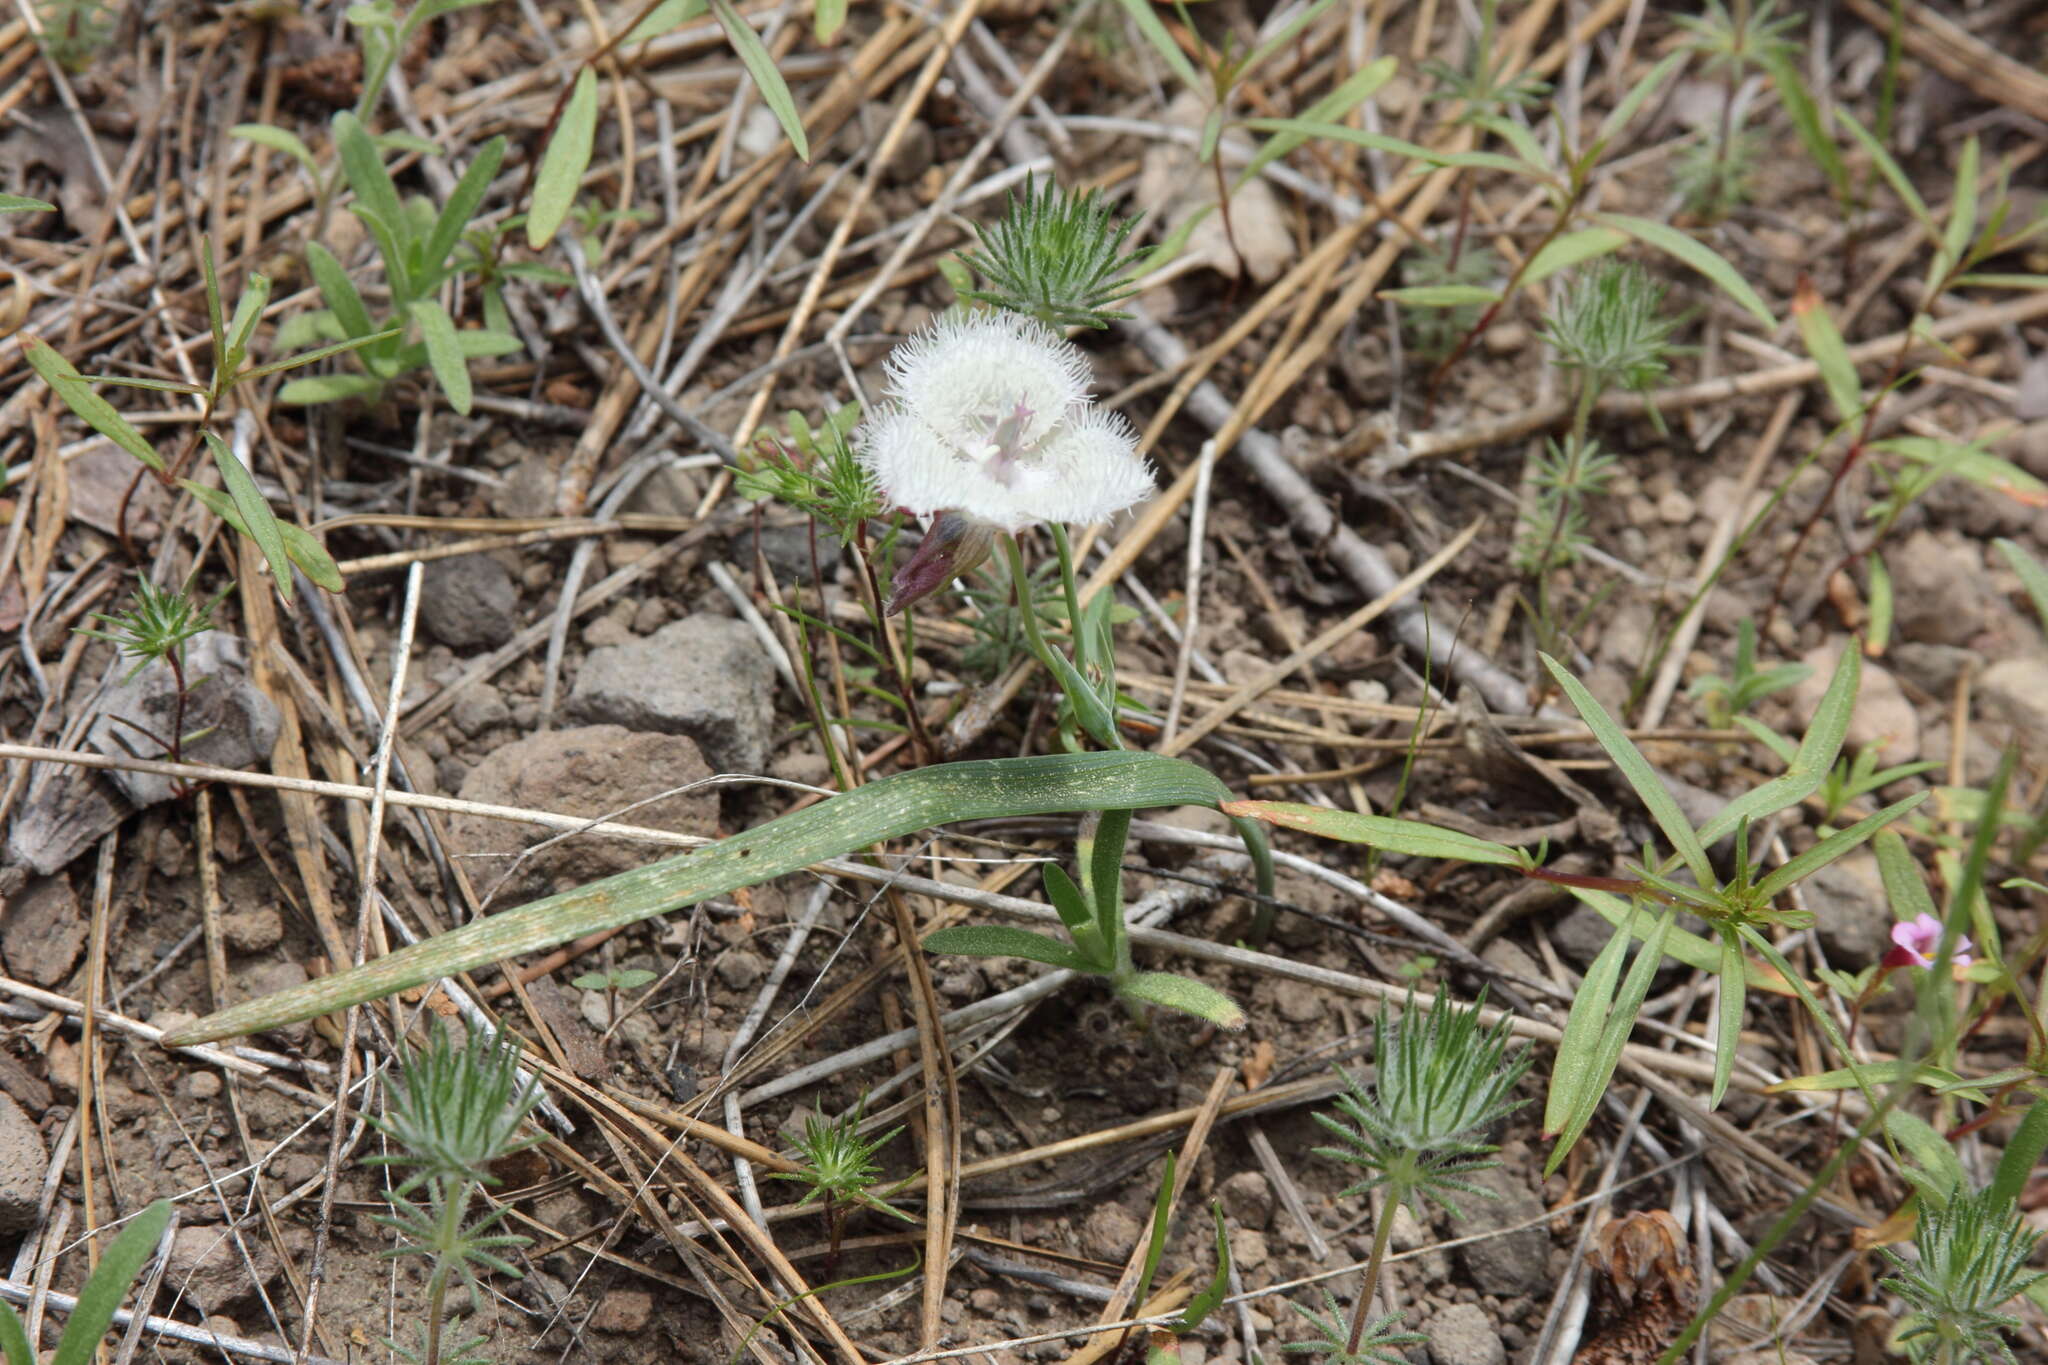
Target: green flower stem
(1361,1312)
(1066,553)
(1034,634)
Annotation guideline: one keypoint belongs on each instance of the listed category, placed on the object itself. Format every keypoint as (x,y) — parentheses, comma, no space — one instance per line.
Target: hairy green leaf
(560,176)
(110,1283)
(760,64)
(1185,994)
(96,412)
(1005,940)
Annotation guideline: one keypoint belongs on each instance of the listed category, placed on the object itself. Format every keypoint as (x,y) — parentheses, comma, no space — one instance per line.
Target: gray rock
(703,676)
(1298,1002)
(469,602)
(1247,1200)
(207,1267)
(1940,587)
(2016,692)
(594,771)
(235,724)
(1933,668)
(1463,1335)
(45,931)
(1505,1263)
(741,969)
(1852,914)
(23,1163)
(787,550)
(64,811)
(478,707)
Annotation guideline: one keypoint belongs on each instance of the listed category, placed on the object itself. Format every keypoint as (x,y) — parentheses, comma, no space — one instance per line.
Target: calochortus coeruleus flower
(988,429)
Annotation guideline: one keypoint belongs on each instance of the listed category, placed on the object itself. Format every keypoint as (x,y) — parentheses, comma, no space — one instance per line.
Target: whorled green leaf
(1729,983)
(293,362)
(454,219)
(1694,253)
(1005,940)
(887,809)
(1595,1066)
(248,312)
(1068,900)
(760,64)
(257,518)
(562,165)
(96,412)
(1649,788)
(1381,831)
(1686,947)
(1185,994)
(1962,209)
(1581,1038)
(110,1283)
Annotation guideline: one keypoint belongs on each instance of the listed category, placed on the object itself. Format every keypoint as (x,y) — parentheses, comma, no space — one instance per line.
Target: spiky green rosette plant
(454,1111)
(1418,1131)
(1057,256)
(838,1165)
(1973,1254)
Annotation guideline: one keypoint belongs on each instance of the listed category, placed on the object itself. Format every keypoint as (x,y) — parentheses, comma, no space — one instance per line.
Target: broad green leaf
(1927,1149)
(1806,120)
(1809,765)
(1904,887)
(1154,30)
(2022,1154)
(328,388)
(1894,175)
(563,163)
(1532,153)
(1834,846)
(1442,295)
(1185,994)
(760,64)
(21,203)
(1398,836)
(1649,788)
(339,291)
(886,809)
(444,352)
(280,140)
(1104,854)
(293,362)
(257,518)
(826,19)
(300,545)
(110,1283)
(376,196)
(1868,1074)
(1211,1297)
(1696,254)
(91,409)
(1004,940)
(462,205)
(2033,575)
(1824,343)
(1580,1043)
(1360,86)
(1882,603)
(1729,985)
(1620,1022)
(1561,253)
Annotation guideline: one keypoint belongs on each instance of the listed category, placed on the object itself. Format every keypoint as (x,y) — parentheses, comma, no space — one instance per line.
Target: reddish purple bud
(953,546)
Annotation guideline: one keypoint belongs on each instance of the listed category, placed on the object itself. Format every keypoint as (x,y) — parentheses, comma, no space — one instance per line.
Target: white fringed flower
(989,418)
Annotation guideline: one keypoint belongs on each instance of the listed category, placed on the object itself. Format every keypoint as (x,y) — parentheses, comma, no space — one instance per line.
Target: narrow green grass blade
(1154,29)
(1649,788)
(1412,837)
(1581,1040)
(110,1283)
(1697,254)
(1728,1016)
(895,806)
(1621,1021)
(339,291)
(562,165)
(2033,575)
(1834,846)
(1809,766)
(1561,253)
(280,140)
(1155,1245)
(2022,1154)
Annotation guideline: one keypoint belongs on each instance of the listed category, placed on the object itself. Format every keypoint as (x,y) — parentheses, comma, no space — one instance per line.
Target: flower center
(1003,452)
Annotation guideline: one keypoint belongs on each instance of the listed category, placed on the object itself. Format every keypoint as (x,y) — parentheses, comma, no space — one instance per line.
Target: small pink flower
(1917,939)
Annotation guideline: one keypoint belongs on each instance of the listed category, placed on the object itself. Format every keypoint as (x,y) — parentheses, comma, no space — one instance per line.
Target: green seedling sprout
(837,1167)
(1417,1130)
(611,981)
(453,1112)
(157,628)
(1746,684)
(1713,175)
